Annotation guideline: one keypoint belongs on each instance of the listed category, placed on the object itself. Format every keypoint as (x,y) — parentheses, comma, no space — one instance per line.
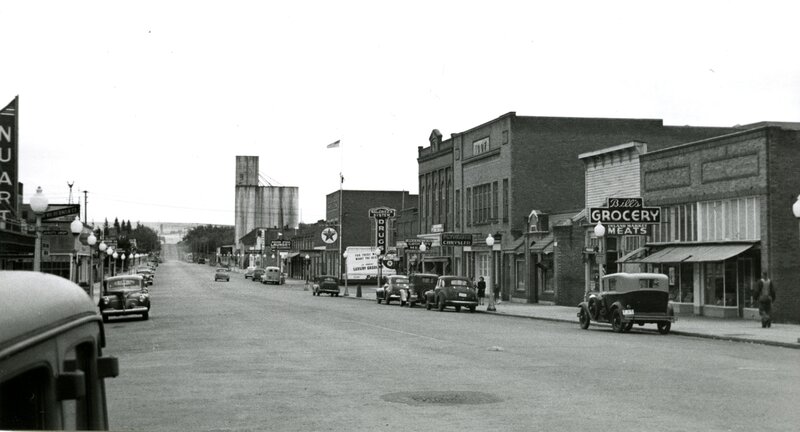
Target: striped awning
(693,253)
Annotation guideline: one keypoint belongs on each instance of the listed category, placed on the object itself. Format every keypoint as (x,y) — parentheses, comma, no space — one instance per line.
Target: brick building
(726,216)
(505,168)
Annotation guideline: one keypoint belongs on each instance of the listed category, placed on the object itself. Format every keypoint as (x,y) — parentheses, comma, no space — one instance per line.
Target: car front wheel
(583,317)
(441,303)
(616,321)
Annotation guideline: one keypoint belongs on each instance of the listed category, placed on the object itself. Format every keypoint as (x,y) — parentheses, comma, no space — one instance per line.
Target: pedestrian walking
(766,295)
(496,289)
(481,290)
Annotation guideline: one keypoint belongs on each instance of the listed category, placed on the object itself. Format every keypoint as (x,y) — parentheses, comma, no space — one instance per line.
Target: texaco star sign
(329,235)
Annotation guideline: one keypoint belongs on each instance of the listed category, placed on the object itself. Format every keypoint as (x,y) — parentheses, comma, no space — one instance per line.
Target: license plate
(627,312)
(462,294)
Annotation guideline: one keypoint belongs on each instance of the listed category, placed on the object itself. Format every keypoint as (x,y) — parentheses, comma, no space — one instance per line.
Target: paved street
(247,356)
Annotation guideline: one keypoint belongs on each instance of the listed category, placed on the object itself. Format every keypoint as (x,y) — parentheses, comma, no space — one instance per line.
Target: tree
(204,240)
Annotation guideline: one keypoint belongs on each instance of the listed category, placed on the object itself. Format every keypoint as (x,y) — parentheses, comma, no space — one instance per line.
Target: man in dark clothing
(766,295)
(481,290)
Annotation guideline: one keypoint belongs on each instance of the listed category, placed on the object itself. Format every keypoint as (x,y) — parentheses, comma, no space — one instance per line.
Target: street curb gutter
(676,332)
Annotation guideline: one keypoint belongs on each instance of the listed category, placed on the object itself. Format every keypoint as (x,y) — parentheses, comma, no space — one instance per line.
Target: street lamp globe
(92,240)
(489,240)
(115,255)
(39,202)
(103,246)
(344,255)
(76,226)
(110,250)
(123,257)
(599,230)
(422,247)
(307,257)
(796,207)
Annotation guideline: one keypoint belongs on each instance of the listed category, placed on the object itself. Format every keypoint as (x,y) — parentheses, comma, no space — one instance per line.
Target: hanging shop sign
(381,215)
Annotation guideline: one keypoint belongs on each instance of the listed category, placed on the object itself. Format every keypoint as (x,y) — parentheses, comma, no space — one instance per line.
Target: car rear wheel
(664,327)
(583,318)
(441,303)
(616,321)
(628,327)
(472,309)
(428,305)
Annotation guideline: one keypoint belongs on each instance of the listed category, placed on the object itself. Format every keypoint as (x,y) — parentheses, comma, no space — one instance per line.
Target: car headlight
(142,298)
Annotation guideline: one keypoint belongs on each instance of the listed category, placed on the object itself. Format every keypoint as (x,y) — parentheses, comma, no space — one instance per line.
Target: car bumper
(648,318)
(467,303)
(129,311)
(328,291)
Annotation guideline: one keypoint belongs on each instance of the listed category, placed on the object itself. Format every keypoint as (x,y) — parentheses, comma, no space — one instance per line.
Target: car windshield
(426,280)
(329,279)
(222,270)
(123,285)
(399,280)
(459,282)
(649,283)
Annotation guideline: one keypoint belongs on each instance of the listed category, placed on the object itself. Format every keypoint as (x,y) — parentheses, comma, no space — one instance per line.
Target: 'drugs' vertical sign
(8,160)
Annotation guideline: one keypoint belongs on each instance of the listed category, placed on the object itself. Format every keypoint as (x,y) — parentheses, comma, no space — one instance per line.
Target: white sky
(146,104)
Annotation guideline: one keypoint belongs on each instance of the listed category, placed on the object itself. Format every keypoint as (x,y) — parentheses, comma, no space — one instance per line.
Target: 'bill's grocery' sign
(625,216)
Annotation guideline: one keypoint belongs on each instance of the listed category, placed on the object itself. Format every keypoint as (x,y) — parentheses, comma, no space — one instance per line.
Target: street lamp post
(115,255)
(39,205)
(307,270)
(344,255)
(76,227)
(91,240)
(490,243)
(102,247)
(422,249)
(600,232)
(123,257)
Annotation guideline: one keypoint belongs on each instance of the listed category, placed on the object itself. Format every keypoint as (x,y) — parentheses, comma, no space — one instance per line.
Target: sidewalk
(738,330)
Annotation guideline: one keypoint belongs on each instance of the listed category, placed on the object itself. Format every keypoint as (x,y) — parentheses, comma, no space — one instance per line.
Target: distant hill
(173,232)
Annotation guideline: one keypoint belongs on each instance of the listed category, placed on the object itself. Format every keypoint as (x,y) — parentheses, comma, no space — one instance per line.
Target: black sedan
(456,291)
(325,284)
(124,295)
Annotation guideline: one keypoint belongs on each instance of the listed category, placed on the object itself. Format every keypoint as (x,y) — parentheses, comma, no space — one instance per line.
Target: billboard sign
(9,160)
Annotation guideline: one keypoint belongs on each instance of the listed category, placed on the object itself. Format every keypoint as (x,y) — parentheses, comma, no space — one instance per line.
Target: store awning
(292,254)
(632,256)
(694,253)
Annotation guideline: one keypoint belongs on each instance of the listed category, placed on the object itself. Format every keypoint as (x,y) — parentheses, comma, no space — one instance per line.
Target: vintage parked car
(456,291)
(273,275)
(222,274)
(418,285)
(124,295)
(146,273)
(258,275)
(52,365)
(625,299)
(325,284)
(395,288)
(201,260)
(249,272)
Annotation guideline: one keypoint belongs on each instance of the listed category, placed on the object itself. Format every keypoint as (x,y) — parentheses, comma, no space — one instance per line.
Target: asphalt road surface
(246,356)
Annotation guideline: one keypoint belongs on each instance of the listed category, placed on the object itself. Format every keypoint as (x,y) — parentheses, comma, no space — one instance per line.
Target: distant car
(248,273)
(222,274)
(325,284)
(418,285)
(146,273)
(625,299)
(456,291)
(395,288)
(258,275)
(201,260)
(124,295)
(273,275)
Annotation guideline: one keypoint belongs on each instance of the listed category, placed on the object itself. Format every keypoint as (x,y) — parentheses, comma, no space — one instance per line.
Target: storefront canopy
(693,253)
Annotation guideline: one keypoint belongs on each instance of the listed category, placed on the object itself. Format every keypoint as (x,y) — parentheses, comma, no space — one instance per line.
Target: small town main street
(245,356)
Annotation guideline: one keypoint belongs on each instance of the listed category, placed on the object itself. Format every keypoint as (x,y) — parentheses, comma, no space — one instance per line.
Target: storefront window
(730,283)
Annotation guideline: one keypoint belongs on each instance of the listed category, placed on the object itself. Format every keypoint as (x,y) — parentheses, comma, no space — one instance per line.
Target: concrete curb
(675,332)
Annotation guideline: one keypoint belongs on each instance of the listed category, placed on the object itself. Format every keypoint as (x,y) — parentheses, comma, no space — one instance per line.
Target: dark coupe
(456,291)
(325,284)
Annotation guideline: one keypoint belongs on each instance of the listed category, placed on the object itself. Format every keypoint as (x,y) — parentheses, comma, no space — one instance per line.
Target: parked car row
(267,275)
(431,290)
